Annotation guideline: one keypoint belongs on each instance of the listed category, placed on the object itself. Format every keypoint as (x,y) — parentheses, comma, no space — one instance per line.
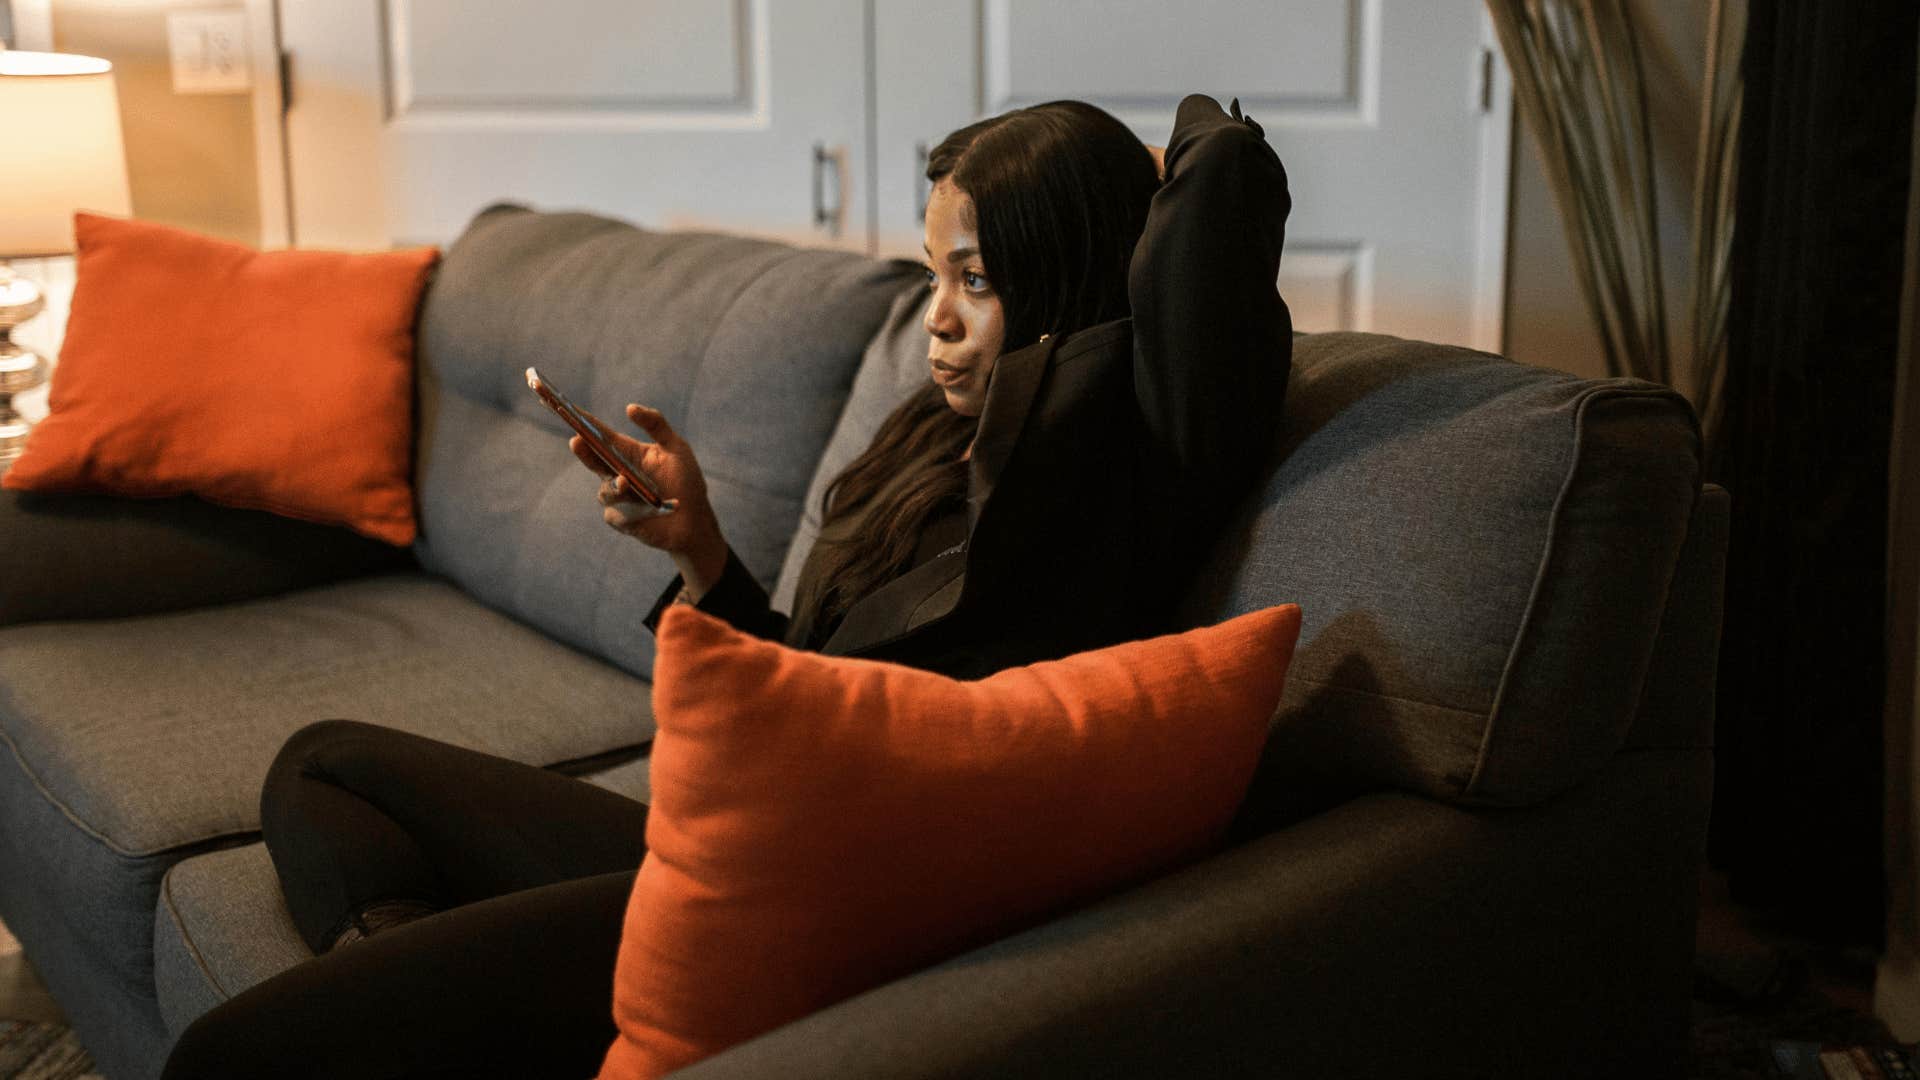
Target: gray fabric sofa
(1471,851)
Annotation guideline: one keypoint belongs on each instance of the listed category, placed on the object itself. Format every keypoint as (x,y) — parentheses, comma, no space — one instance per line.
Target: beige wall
(190,157)
(1547,321)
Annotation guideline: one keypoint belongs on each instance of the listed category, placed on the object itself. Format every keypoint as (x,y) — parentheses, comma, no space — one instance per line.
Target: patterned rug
(34,1051)
(1738,1036)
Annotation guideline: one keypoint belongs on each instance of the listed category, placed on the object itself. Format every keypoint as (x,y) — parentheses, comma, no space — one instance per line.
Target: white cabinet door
(1395,153)
(407,116)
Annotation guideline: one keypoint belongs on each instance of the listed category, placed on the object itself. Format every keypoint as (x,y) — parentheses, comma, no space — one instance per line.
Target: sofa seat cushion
(221,924)
(154,733)
(1482,551)
(220,927)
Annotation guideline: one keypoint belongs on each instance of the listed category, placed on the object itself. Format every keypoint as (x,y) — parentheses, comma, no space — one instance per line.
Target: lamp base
(14,430)
(21,369)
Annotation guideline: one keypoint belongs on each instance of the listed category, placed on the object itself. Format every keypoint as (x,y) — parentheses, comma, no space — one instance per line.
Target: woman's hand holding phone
(691,532)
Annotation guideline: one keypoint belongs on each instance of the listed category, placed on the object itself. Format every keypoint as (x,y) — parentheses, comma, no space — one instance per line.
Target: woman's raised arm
(1213,340)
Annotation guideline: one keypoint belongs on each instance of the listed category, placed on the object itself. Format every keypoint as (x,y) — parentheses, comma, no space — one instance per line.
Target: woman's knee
(305,755)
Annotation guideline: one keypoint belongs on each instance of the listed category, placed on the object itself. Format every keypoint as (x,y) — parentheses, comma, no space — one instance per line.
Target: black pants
(513,977)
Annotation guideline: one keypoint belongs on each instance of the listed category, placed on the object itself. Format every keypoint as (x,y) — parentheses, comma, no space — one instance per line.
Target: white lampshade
(60,134)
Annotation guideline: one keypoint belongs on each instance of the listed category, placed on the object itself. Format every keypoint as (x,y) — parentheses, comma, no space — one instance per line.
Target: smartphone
(599,439)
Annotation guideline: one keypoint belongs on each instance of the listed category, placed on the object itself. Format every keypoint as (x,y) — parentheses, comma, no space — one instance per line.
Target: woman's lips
(947,374)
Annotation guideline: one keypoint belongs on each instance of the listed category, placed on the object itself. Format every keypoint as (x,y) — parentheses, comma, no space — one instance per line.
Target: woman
(1050,490)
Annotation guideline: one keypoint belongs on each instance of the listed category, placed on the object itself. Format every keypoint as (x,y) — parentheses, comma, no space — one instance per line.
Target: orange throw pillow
(822,825)
(278,381)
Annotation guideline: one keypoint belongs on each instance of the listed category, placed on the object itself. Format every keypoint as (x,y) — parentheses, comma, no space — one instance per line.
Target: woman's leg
(359,816)
(517,986)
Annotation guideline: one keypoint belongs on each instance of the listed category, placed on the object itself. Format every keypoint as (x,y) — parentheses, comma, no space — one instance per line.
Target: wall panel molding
(739,99)
(1338,81)
(1328,286)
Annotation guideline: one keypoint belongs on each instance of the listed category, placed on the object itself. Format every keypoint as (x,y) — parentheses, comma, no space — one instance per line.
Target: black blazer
(1107,460)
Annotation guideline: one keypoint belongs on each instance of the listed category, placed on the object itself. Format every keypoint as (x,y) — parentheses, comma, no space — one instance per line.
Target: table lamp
(61,121)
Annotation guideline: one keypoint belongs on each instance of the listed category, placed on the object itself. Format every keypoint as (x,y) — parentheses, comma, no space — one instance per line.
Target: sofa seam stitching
(186,937)
(1470,713)
(1550,547)
(55,801)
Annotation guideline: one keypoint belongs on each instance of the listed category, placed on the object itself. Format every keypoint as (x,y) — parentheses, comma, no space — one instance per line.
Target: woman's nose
(941,321)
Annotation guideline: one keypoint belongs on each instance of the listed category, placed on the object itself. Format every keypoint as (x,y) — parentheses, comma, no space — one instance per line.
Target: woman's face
(964,319)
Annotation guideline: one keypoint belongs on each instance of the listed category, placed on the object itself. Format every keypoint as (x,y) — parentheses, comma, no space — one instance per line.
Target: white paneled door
(1391,115)
(807,120)
(408,116)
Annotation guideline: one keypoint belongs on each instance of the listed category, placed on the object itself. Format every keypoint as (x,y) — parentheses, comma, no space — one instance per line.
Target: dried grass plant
(1581,84)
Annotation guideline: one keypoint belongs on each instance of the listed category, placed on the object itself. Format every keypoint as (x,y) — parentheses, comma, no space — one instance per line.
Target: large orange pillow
(278,381)
(822,825)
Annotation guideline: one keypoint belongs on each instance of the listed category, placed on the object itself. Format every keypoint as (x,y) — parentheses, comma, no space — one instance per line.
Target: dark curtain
(1825,145)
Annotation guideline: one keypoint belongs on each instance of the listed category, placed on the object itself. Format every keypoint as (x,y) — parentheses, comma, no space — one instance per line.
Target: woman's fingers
(587,457)
(637,519)
(621,509)
(621,521)
(617,490)
(654,424)
(667,457)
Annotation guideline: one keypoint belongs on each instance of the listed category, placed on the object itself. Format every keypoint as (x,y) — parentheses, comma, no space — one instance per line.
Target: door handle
(828,171)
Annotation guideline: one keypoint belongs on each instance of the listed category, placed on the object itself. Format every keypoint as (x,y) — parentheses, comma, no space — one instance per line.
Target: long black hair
(1060,195)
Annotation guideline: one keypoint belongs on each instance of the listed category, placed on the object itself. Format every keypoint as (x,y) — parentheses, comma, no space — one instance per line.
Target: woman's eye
(973,280)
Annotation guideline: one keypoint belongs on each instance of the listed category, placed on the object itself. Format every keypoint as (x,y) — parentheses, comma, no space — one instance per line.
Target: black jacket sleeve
(1213,340)
(736,597)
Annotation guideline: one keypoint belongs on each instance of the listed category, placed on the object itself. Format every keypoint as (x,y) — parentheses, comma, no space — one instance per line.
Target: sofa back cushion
(893,367)
(1481,551)
(748,347)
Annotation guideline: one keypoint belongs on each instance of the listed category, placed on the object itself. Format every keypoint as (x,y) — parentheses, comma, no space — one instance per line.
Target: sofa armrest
(99,556)
(1392,935)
